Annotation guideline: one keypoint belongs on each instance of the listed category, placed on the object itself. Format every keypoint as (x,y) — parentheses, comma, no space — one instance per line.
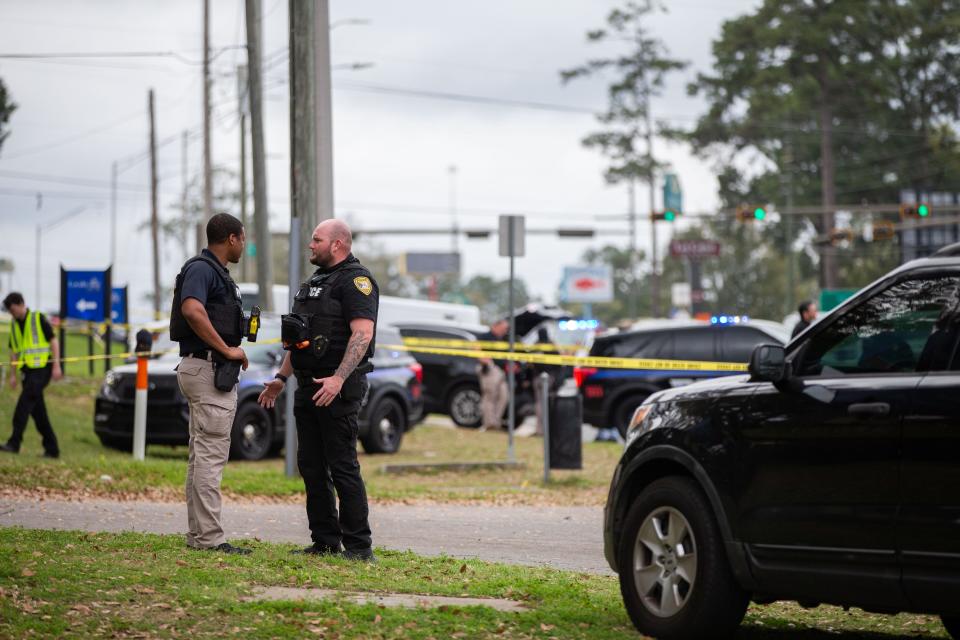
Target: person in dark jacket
(808,313)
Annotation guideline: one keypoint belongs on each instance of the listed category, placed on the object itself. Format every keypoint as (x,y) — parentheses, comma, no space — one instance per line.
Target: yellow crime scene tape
(414,345)
(579,361)
(490,345)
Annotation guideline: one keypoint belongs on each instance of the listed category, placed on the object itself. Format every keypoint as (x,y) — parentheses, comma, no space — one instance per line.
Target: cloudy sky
(393,145)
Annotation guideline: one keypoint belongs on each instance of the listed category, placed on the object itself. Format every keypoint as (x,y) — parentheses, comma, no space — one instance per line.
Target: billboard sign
(587,284)
(118,305)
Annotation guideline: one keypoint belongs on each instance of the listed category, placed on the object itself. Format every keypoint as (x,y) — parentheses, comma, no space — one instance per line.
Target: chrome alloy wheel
(665,562)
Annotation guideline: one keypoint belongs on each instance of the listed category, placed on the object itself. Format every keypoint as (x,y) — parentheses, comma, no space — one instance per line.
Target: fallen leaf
(378,619)
(181,563)
(463,568)
(546,627)
(26,573)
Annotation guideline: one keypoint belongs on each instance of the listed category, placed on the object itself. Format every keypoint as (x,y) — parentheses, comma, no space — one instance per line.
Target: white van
(392,308)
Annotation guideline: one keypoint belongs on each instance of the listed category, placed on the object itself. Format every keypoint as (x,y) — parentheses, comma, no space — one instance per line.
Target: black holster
(226,373)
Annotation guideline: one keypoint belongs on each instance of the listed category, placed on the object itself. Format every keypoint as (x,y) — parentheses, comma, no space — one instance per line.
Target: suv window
(737,343)
(694,344)
(657,344)
(910,326)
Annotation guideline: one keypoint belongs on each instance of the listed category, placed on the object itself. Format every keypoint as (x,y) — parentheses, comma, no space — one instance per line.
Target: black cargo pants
(327,458)
(31,404)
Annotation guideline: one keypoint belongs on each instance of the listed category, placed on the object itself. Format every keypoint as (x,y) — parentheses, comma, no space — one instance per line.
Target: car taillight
(592,391)
(417,369)
(580,374)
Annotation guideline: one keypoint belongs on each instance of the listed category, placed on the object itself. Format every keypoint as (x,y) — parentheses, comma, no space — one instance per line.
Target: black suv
(829,474)
(610,396)
(393,405)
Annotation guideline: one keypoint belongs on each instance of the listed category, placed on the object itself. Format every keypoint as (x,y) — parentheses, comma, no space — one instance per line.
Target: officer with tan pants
(494,394)
(207,320)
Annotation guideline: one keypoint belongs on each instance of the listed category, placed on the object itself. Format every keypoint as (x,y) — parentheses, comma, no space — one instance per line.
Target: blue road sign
(118,305)
(672,194)
(86,295)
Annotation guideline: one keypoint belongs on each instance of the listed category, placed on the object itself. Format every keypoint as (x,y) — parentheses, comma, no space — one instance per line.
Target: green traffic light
(923,211)
(759,213)
(669,216)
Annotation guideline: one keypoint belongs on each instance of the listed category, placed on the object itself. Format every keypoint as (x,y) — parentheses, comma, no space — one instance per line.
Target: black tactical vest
(315,300)
(225,313)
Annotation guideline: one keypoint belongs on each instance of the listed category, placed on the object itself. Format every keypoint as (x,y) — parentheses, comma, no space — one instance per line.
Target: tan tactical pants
(211,420)
(493,396)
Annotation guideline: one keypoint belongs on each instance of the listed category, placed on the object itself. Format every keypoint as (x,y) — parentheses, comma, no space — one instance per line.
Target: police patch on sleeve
(364,285)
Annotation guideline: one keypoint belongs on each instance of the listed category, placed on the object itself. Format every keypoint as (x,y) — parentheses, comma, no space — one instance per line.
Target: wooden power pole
(261,214)
(242,111)
(154,219)
(207,160)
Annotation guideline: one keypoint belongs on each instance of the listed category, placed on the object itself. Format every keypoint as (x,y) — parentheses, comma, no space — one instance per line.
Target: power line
(176,55)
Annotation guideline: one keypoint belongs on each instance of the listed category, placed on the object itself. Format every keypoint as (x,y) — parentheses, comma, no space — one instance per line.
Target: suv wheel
(252,434)
(674,575)
(952,625)
(463,407)
(387,424)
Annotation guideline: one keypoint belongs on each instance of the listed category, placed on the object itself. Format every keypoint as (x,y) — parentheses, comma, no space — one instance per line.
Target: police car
(610,396)
(393,406)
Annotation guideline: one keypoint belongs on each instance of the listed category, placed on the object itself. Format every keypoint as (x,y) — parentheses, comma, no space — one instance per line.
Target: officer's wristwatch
(282,378)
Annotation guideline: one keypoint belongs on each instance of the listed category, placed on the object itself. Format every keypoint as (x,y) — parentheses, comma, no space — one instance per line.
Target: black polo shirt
(359,296)
(201,282)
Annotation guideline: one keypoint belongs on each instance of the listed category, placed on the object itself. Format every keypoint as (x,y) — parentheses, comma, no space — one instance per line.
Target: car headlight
(638,416)
(108,388)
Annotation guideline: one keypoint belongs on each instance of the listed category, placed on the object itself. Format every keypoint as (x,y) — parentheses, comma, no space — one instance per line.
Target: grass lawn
(84,460)
(56,584)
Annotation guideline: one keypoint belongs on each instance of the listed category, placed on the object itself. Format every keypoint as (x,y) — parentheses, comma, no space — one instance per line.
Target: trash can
(566,424)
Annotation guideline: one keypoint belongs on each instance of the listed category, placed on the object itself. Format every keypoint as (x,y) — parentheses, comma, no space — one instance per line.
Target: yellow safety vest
(34,348)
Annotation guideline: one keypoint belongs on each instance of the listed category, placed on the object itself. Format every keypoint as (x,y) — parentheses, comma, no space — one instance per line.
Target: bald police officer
(329,337)
(207,320)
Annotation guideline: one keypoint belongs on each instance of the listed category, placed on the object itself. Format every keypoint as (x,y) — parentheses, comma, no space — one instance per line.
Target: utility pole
(154,220)
(113,213)
(311,153)
(261,214)
(632,214)
(452,170)
(788,231)
(207,161)
(654,274)
(242,110)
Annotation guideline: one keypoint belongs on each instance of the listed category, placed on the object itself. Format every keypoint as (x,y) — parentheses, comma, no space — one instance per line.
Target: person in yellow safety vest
(37,352)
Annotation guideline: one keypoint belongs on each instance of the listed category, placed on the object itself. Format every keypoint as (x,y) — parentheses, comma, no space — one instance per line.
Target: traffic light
(668,215)
(746,213)
(917,211)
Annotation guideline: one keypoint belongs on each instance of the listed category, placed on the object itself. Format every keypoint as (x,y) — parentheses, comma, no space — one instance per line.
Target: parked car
(451,385)
(829,474)
(392,407)
(610,396)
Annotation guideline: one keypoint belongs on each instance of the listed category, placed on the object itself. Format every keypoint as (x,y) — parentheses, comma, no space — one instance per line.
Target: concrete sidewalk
(560,537)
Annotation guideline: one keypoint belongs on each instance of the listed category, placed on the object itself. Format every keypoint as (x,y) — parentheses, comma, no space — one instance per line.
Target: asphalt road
(560,537)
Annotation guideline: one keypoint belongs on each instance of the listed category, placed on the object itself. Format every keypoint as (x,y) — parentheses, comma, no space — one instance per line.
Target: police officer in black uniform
(206,318)
(329,337)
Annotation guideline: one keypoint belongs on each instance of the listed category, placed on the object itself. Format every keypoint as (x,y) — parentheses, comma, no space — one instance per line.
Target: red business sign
(694,248)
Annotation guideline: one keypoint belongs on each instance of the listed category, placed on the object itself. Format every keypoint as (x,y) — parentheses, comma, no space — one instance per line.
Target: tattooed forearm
(356,349)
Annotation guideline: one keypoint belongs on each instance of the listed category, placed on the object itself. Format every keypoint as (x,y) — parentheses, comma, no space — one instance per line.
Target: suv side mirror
(768,364)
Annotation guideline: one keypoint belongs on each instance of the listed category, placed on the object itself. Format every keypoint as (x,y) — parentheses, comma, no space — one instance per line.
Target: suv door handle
(869,409)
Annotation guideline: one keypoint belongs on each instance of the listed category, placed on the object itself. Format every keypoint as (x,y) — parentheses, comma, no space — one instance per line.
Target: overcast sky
(392,151)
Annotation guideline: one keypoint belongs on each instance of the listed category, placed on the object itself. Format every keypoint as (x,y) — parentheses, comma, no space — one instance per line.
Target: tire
(252,435)
(952,625)
(670,538)
(624,411)
(463,406)
(120,444)
(388,421)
